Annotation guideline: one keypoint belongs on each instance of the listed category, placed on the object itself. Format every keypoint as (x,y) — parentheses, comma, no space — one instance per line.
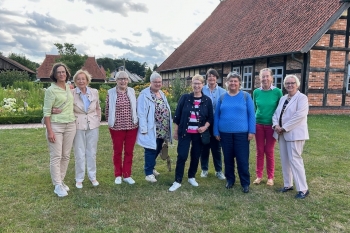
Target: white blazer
(294,118)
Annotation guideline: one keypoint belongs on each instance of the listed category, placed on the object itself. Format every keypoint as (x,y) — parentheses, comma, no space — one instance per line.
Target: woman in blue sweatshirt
(234,126)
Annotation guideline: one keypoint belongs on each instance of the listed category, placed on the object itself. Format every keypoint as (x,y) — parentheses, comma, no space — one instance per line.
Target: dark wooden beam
(322,91)
(330,48)
(345,80)
(336,32)
(314,69)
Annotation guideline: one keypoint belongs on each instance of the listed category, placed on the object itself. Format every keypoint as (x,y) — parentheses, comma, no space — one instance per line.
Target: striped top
(193,122)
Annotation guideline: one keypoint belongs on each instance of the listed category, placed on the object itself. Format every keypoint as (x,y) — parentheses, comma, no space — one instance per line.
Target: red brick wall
(318,58)
(339,41)
(316,80)
(337,59)
(324,41)
(340,24)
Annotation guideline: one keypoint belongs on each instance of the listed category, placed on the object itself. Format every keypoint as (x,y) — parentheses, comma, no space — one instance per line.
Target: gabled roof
(90,65)
(246,29)
(133,78)
(17,65)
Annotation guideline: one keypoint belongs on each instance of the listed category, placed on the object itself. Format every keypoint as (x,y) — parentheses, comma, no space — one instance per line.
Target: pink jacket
(90,118)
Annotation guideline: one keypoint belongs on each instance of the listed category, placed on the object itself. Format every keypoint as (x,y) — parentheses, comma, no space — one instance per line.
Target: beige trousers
(60,150)
(292,163)
(85,148)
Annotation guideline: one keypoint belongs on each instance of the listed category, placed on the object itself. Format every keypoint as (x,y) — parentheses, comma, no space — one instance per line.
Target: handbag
(164,154)
(205,136)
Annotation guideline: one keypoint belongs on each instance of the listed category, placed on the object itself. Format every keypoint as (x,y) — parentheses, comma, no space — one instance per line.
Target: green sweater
(56,97)
(265,104)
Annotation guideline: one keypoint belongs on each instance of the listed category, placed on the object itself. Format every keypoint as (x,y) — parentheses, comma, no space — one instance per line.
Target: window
(236,69)
(277,76)
(247,77)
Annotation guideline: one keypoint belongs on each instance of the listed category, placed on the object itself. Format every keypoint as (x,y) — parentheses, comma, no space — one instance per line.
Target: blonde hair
(198,77)
(87,75)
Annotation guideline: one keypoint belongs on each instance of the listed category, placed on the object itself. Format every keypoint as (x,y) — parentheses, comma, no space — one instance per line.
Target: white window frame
(236,69)
(247,77)
(277,77)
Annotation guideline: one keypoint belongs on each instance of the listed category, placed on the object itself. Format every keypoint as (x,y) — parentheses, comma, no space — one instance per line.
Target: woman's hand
(51,136)
(175,136)
(202,129)
(278,130)
(250,136)
(56,111)
(217,138)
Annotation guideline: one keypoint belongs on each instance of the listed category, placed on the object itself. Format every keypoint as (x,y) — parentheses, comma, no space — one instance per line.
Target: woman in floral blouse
(154,114)
(122,121)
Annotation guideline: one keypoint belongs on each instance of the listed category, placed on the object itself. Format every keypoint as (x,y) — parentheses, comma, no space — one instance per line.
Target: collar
(271,87)
(79,91)
(215,88)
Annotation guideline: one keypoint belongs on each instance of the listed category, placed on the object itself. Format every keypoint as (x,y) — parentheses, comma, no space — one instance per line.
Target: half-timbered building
(308,38)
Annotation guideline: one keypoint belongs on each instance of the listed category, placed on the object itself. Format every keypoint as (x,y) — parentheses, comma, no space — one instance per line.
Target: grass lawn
(28,203)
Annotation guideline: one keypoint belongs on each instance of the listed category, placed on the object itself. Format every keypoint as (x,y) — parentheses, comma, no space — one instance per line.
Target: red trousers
(123,139)
(265,144)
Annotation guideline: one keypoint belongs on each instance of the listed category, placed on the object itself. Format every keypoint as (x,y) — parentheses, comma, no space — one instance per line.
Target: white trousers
(85,148)
(292,163)
(60,150)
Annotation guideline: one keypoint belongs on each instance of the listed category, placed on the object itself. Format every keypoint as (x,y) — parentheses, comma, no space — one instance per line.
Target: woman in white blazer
(290,129)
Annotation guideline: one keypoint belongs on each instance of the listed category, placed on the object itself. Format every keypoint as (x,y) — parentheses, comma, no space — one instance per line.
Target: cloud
(137,34)
(155,52)
(122,7)
(52,25)
(89,11)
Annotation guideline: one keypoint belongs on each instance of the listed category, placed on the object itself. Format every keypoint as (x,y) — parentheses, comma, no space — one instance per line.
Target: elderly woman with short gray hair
(291,131)
(123,123)
(154,115)
(234,126)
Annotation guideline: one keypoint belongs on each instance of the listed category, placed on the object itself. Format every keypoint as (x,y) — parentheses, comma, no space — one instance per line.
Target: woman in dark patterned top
(193,116)
(123,123)
(154,113)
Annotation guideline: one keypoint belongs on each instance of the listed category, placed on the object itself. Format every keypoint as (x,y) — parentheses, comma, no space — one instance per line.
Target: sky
(141,30)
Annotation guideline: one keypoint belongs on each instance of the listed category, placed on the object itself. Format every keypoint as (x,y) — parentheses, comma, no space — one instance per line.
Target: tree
(155,67)
(107,63)
(8,77)
(148,75)
(21,59)
(70,57)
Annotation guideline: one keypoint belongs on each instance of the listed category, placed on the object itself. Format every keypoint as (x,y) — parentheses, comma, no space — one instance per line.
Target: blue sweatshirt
(234,114)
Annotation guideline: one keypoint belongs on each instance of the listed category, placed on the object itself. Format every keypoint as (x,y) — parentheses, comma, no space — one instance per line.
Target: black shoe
(302,195)
(229,185)
(286,189)
(245,189)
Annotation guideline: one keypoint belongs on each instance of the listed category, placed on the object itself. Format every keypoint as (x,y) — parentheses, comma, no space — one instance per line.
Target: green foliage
(108,73)
(70,57)
(148,75)
(21,59)
(8,77)
(178,87)
(155,67)
(113,64)
(24,119)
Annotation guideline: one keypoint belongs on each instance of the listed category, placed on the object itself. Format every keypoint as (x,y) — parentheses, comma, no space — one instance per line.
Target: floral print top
(162,117)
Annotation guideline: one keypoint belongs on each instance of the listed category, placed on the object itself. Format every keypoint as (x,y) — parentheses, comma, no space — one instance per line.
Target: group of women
(231,117)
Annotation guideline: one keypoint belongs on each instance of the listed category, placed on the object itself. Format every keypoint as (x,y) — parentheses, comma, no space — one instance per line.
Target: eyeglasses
(291,83)
(194,84)
(122,79)
(60,72)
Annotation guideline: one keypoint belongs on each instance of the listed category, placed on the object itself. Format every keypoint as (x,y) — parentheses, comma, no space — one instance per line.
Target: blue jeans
(151,156)
(215,148)
(236,145)
(183,148)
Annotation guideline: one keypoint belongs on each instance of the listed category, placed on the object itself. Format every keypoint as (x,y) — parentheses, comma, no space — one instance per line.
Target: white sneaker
(155,173)
(60,191)
(151,178)
(129,180)
(193,182)
(174,186)
(204,173)
(65,187)
(118,180)
(79,185)
(95,183)
(220,175)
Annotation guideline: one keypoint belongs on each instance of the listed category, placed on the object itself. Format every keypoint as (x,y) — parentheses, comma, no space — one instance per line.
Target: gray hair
(292,76)
(121,74)
(234,74)
(154,76)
